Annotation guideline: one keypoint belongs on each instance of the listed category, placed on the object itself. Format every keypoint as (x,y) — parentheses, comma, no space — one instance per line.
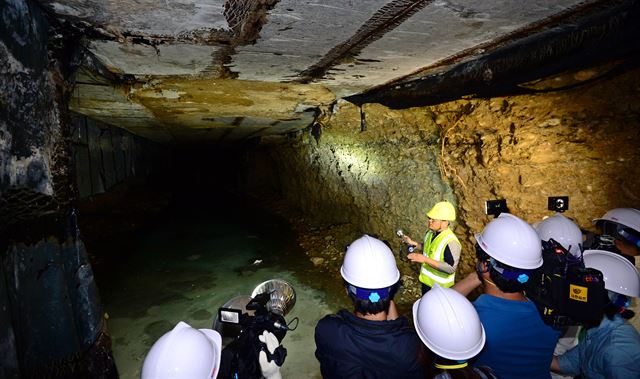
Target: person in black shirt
(372,341)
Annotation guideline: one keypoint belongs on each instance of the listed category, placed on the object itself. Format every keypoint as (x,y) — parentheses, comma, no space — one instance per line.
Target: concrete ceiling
(220,71)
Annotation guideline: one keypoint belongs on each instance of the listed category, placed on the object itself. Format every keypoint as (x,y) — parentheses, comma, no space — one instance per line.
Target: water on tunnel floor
(188,265)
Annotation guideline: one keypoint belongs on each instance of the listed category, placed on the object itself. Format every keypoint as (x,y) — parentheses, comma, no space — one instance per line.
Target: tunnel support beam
(599,33)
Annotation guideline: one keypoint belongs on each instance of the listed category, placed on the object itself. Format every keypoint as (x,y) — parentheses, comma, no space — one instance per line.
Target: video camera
(262,318)
(554,203)
(558,203)
(495,207)
(242,320)
(563,289)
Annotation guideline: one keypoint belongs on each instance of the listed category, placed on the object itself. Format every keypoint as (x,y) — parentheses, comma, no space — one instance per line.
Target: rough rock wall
(377,179)
(29,114)
(28,120)
(381,178)
(581,143)
(50,312)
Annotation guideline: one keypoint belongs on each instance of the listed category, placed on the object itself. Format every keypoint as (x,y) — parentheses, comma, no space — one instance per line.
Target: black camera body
(495,207)
(262,318)
(558,203)
(240,357)
(565,291)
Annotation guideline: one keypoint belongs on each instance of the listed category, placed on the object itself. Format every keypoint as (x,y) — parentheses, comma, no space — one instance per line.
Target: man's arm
(392,314)
(569,362)
(555,366)
(468,284)
(448,266)
(410,241)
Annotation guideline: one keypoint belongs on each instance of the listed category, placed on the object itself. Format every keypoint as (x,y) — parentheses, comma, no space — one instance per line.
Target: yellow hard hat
(442,211)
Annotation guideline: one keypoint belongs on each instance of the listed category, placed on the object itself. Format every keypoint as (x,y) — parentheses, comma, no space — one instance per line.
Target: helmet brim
(438,349)
(216,341)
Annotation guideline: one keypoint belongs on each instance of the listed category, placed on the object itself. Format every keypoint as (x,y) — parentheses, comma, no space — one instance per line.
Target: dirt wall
(581,143)
(375,180)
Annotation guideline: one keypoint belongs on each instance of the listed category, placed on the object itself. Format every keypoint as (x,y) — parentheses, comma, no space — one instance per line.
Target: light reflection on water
(186,268)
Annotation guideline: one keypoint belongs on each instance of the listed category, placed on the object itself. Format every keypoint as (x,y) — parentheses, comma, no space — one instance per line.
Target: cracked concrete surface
(347,47)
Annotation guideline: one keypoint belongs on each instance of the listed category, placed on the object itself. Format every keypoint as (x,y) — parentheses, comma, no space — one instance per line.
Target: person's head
(449,326)
(623,224)
(508,251)
(564,231)
(621,279)
(184,353)
(370,274)
(441,215)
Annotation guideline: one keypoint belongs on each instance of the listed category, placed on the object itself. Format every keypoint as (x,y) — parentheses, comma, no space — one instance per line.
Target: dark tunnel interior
(155,166)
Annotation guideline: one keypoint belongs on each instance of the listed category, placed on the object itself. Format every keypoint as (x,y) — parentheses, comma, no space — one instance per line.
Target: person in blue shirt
(611,349)
(519,344)
(372,341)
(620,229)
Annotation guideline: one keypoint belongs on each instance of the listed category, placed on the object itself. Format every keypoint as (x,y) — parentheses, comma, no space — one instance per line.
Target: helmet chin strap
(620,301)
(480,271)
(451,367)
(629,237)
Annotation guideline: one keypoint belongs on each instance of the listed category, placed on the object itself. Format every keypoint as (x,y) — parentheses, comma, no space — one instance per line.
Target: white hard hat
(620,275)
(369,263)
(184,353)
(628,217)
(511,241)
(563,230)
(448,324)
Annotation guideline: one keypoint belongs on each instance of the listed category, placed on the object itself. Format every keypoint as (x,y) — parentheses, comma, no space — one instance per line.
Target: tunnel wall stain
(581,143)
(105,156)
(50,311)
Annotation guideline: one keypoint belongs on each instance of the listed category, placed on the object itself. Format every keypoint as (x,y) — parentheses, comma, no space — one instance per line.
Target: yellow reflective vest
(434,249)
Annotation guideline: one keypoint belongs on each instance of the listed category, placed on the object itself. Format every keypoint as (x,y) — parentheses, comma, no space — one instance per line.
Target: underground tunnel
(158,161)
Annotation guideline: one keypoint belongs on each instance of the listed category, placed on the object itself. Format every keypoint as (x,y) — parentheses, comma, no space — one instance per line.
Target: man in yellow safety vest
(440,249)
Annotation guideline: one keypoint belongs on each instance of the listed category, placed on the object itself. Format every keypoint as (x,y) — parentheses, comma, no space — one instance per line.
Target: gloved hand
(270,370)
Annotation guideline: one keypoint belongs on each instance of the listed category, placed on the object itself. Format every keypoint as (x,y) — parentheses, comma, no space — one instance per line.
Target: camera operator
(566,232)
(561,229)
(610,349)
(620,233)
(519,344)
(252,356)
(189,353)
